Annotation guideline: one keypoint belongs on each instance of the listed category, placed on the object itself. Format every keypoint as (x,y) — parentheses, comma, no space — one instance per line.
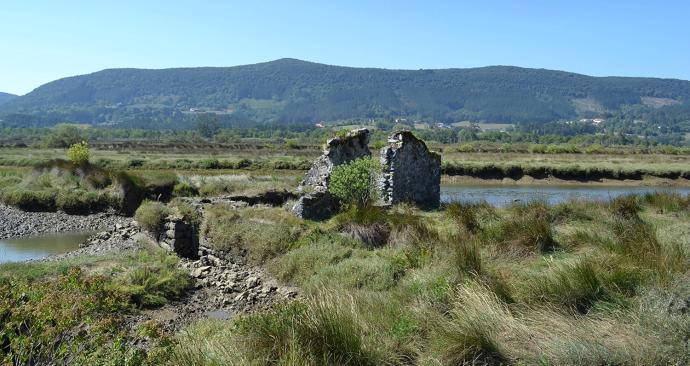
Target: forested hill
(5,97)
(293,91)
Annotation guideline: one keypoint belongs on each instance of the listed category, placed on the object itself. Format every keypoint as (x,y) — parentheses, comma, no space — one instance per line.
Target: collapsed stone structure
(317,203)
(180,236)
(410,173)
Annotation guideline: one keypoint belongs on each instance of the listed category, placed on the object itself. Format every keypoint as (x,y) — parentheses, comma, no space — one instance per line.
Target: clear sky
(45,40)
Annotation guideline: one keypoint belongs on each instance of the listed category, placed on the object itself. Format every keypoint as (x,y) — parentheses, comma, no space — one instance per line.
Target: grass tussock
(526,230)
(151,216)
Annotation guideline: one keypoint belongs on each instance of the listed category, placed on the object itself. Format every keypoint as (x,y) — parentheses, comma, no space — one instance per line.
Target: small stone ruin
(411,173)
(180,236)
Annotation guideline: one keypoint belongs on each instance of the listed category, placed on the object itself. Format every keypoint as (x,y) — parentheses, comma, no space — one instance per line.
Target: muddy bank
(565,173)
(647,181)
(17,223)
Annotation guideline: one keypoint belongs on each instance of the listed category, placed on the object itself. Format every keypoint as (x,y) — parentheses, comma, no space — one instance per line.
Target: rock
(316,206)
(338,151)
(253,282)
(317,203)
(200,272)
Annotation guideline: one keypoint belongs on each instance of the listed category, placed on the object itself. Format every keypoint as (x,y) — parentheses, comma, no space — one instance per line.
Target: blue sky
(45,40)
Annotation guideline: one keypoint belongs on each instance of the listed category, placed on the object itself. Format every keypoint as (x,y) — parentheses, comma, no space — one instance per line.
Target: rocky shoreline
(17,223)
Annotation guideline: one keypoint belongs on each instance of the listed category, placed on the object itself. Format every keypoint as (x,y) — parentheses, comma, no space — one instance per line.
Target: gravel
(17,223)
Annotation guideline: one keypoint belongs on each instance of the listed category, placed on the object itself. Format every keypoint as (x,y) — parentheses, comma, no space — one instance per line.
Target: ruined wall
(316,203)
(412,173)
(338,150)
(180,237)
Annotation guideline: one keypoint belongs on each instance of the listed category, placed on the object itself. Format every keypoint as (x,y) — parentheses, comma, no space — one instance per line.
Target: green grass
(530,283)
(74,311)
(151,216)
(260,233)
(576,283)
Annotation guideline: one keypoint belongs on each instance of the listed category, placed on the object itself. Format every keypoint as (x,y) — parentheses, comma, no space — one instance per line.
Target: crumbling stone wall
(180,237)
(338,150)
(412,173)
(317,203)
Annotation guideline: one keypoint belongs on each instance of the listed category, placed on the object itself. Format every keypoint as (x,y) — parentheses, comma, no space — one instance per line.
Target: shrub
(260,233)
(636,240)
(81,201)
(46,322)
(464,215)
(354,183)
(217,188)
(667,201)
(209,164)
(320,330)
(314,252)
(78,153)
(151,216)
(466,257)
(527,229)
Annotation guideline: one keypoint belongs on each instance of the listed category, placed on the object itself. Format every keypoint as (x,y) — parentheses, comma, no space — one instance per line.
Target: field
(581,282)
(576,283)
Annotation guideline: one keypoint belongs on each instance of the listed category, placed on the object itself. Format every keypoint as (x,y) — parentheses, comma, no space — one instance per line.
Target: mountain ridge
(292,91)
(6,97)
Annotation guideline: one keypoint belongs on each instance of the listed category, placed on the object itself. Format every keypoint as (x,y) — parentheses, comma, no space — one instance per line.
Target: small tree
(354,183)
(207,126)
(79,153)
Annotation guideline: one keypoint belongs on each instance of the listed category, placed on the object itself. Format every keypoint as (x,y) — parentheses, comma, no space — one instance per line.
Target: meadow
(576,283)
(582,282)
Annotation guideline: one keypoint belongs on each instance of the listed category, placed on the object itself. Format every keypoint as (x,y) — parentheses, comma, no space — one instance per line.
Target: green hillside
(293,91)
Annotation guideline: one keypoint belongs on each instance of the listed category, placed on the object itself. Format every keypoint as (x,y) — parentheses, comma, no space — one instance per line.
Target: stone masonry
(316,203)
(180,237)
(412,173)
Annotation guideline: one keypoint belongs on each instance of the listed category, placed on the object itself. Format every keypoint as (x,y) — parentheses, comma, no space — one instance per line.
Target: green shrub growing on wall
(354,183)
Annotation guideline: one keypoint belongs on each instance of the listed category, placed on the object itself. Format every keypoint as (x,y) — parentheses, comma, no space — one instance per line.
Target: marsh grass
(261,233)
(526,230)
(154,280)
(151,216)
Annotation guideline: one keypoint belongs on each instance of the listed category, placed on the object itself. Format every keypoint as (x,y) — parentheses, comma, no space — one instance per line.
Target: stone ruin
(316,203)
(410,173)
(180,237)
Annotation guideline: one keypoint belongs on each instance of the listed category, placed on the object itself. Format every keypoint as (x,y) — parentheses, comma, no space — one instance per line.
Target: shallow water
(504,195)
(21,249)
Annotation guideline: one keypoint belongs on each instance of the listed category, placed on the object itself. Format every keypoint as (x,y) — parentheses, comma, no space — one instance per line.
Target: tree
(354,183)
(79,153)
(207,125)
(64,135)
